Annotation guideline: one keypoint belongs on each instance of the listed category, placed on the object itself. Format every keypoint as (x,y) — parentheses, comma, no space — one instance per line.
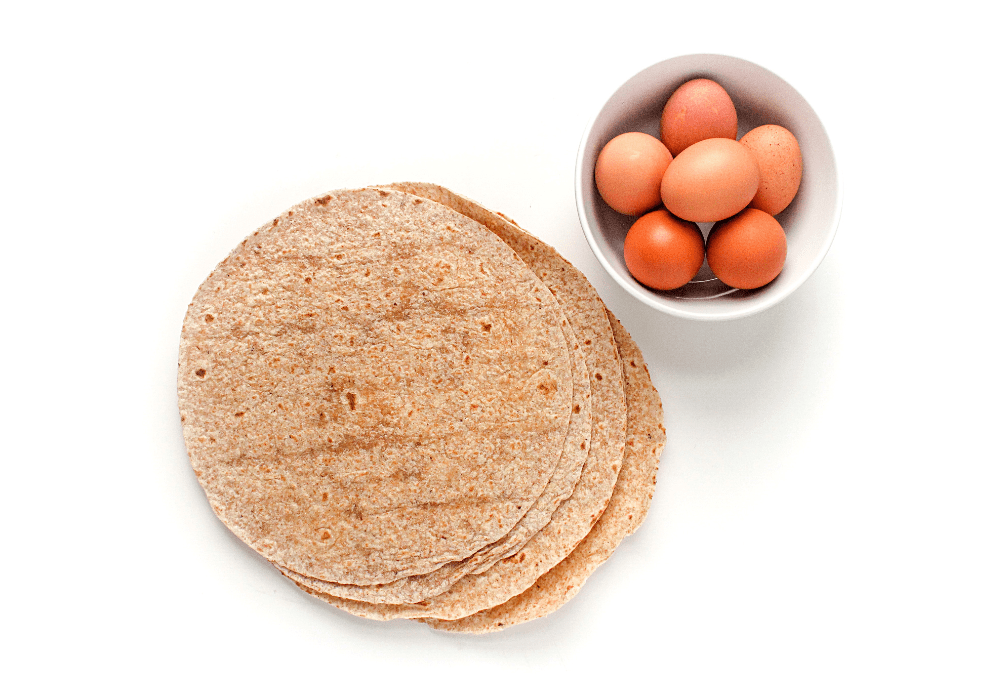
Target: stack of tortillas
(413,408)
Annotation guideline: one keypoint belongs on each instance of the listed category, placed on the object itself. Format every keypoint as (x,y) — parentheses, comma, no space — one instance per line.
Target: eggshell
(710,180)
(780,160)
(699,109)
(748,250)
(662,251)
(629,171)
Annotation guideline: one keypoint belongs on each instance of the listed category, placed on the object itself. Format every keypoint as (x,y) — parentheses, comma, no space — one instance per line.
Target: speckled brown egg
(699,109)
(780,160)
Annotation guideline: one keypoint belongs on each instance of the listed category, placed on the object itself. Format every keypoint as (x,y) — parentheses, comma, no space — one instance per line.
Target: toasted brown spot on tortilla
(548,387)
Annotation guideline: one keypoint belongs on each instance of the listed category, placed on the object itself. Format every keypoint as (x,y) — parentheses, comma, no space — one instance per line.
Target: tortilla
(372,386)
(626,511)
(575,516)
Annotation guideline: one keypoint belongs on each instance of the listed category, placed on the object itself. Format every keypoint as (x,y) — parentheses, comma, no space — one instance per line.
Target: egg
(699,109)
(748,250)
(662,251)
(629,171)
(780,160)
(710,180)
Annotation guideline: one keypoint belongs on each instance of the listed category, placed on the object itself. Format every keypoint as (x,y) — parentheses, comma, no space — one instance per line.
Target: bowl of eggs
(707,187)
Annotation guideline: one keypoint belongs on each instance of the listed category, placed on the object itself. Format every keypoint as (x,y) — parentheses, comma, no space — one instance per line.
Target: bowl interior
(761,97)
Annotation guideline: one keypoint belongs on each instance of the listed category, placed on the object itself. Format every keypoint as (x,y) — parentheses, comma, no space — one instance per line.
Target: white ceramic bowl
(761,97)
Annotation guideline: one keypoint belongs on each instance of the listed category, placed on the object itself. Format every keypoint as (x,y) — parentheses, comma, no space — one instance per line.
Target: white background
(825,523)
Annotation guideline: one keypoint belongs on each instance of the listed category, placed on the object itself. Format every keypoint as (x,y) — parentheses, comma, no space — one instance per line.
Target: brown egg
(710,180)
(780,160)
(748,250)
(629,171)
(663,252)
(699,109)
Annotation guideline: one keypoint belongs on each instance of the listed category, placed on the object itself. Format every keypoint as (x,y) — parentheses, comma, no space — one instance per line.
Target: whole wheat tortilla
(575,516)
(371,386)
(626,511)
(412,589)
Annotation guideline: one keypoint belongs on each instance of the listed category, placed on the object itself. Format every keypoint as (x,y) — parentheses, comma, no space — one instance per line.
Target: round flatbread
(371,386)
(626,511)
(572,521)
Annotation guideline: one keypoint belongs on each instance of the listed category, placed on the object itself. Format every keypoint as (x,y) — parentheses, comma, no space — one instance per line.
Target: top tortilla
(575,517)
(371,386)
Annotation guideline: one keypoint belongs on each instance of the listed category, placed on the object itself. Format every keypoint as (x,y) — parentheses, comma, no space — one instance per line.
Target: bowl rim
(753,306)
